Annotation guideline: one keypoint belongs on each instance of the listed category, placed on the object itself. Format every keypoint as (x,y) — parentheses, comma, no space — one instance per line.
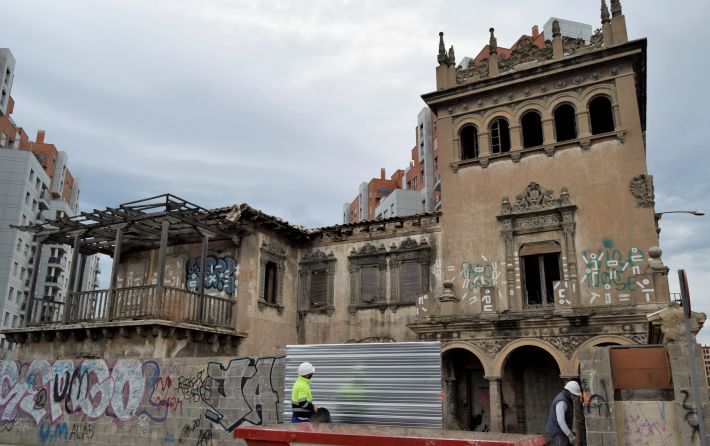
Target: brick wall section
(190,401)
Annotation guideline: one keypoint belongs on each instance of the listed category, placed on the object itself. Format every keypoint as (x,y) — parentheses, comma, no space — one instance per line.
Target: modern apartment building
(414,190)
(35,185)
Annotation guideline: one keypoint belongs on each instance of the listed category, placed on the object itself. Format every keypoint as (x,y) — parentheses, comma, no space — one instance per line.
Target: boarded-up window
(640,368)
(369,284)
(410,281)
(319,288)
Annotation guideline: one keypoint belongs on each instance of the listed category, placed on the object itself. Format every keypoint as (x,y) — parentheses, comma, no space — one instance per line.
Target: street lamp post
(658,216)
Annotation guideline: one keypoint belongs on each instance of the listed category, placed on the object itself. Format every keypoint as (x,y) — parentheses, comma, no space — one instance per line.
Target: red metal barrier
(371,435)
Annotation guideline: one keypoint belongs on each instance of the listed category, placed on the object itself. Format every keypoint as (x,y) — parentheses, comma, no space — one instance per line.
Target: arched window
(469,142)
(565,123)
(500,136)
(532,129)
(601,115)
(270,283)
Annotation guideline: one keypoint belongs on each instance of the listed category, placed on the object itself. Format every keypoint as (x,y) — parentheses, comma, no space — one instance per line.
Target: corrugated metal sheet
(396,383)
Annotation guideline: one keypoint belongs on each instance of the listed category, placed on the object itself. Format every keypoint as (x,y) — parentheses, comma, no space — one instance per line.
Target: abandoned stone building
(545,243)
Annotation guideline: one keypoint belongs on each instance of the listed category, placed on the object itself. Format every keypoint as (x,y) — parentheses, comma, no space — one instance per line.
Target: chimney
(382,173)
(535,32)
(557,48)
(40,137)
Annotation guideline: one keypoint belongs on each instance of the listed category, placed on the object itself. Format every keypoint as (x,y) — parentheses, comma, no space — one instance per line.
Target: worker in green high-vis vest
(301,398)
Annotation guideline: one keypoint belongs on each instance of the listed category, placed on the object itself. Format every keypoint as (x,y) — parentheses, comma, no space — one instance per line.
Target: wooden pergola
(151,223)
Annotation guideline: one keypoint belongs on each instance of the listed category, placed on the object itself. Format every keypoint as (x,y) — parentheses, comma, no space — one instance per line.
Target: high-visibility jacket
(301,399)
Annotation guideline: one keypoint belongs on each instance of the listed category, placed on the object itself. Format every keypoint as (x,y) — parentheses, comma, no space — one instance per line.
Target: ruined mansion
(545,243)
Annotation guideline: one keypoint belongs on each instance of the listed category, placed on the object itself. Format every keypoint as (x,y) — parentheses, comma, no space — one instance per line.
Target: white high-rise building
(35,186)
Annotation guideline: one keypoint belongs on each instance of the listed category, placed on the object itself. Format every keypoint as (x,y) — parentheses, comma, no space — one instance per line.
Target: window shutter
(410,281)
(369,284)
(319,287)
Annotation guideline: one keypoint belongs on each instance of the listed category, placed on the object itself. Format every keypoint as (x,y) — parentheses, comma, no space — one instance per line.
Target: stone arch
(461,122)
(476,351)
(596,340)
(573,99)
(496,113)
(499,361)
(596,91)
(527,106)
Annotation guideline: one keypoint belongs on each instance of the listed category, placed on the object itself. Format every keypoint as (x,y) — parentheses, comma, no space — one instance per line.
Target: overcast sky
(289,105)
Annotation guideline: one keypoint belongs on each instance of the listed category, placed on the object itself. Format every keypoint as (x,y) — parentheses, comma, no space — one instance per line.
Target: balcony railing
(60,261)
(44,200)
(136,303)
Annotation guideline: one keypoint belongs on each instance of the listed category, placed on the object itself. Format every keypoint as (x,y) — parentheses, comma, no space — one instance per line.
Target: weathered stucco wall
(196,401)
(611,255)
(373,324)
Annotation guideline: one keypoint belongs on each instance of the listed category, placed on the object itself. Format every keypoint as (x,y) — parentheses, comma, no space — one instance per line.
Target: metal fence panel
(395,383)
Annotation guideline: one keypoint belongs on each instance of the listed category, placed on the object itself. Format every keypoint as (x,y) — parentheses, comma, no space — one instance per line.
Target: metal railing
(140,302)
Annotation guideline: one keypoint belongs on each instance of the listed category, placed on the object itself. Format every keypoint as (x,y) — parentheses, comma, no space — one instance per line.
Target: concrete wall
(196,401)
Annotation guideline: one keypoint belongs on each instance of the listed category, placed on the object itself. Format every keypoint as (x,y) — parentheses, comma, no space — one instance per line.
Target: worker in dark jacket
(559,421)
(301,398)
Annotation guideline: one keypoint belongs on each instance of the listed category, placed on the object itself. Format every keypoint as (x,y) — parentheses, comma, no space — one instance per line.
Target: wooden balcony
(135,303)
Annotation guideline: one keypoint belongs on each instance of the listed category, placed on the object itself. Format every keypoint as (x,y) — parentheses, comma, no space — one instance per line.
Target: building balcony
(54,281)
(57,262)
(134,303)
(44,200)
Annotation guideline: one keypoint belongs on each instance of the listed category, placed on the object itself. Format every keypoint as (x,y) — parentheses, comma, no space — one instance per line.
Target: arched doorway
(467,395)
(531,379)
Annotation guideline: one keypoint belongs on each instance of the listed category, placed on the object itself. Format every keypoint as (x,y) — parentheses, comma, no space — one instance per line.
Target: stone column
(496,403)
(583,124)
(516,139)
(484,145)
(548,131)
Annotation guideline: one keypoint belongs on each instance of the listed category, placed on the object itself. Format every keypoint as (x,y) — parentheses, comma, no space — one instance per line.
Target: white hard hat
(573,388)
(307,368)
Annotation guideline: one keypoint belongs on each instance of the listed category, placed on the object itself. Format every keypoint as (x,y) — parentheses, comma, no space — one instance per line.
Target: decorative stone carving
(536,210)
(447,294)
(641,188)
(566,344)
(637,338)
(369,256)
(271,252)
(491,346)
(312,263)
(409,251)
(379,339)
(534,197)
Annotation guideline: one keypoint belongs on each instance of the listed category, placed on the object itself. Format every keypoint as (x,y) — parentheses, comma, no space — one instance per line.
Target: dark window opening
(565,123)
(319,288)
(369,284)
(532,129)
(469,142)
(601,115)
(270,278)
(500,136)
(540,272)
(410,281)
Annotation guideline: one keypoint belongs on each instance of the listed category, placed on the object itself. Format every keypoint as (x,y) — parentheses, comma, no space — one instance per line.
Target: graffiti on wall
(479,280)
(614,275)
(64,400)
(221,274)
